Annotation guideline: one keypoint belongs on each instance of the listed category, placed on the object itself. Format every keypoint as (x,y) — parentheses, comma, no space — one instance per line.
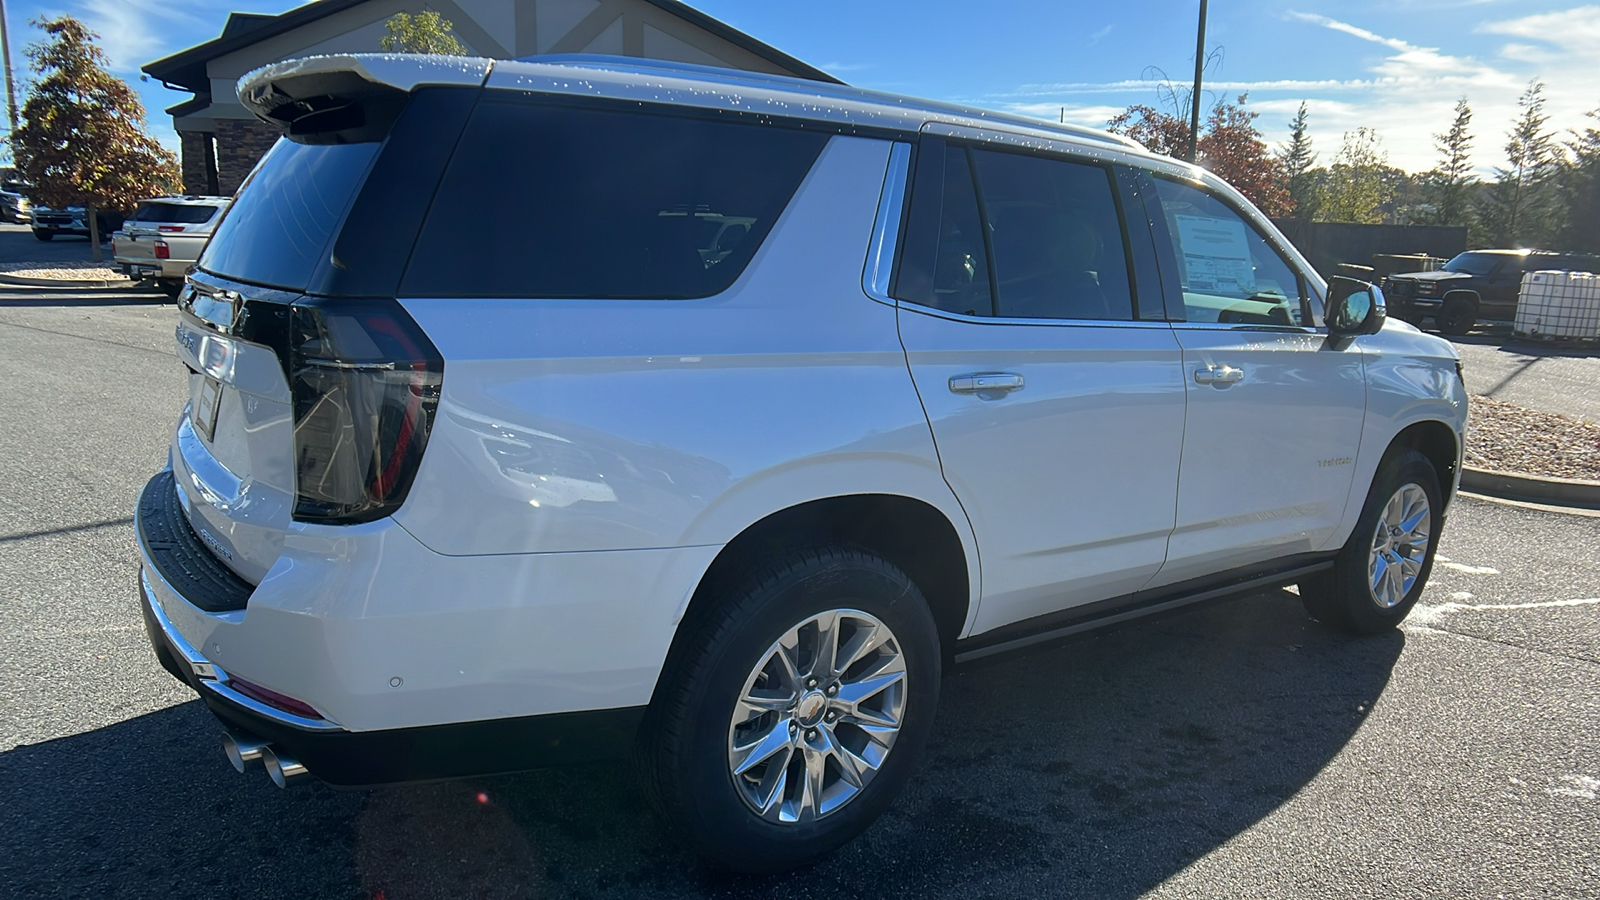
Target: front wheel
(797,711)
(1384,566)
(1457,315)
(44,235)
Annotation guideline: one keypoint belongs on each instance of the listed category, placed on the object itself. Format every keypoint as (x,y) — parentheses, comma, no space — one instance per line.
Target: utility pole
(11,90)
(1194,99)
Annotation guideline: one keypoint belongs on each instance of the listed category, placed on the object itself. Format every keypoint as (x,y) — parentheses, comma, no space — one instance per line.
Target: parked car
(1477,284)
(47,222)
(14,203)
(450,501)
(164,237)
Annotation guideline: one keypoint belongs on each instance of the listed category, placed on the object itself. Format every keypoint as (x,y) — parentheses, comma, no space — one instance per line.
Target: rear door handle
(986,382)
(1218,375)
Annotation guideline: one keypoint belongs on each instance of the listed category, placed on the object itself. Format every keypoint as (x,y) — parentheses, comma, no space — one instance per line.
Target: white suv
(617,482)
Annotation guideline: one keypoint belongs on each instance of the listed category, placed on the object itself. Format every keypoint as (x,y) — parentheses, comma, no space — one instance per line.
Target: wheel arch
(1437,441)
(910,533)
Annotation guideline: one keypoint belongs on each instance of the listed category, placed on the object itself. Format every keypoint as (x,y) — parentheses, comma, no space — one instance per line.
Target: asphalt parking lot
(1559,378)
(1239,750)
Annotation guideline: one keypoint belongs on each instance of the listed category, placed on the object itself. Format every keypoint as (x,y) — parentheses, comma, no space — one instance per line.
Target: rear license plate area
(203,411)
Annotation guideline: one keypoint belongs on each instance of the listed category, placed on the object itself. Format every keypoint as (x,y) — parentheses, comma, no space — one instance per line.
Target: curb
(1528,488)
(24,281)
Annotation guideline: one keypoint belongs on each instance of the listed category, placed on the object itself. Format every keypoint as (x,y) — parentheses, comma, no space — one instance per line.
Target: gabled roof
(187,69)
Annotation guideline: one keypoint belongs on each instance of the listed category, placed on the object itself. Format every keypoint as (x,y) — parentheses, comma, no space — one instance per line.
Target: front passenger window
(1228,272)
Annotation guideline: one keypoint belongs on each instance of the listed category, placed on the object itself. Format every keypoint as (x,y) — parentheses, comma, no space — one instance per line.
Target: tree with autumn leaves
(83,141)
(1230,145)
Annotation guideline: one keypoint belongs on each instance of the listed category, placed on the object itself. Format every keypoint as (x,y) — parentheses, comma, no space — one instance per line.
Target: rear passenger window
(1014,236)
(1228,272)
(1056,237)
(554,201)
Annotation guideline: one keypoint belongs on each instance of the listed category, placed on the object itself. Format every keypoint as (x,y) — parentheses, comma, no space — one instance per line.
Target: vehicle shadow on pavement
(1098,767)
(1506,342)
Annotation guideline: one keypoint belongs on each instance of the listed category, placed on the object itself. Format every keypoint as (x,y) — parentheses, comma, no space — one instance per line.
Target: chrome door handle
(1218,375)
(986,382)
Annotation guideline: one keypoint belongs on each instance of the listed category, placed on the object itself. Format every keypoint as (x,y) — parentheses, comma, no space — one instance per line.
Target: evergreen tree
(1450,183)
(425,32)
(82,141)
(1298,161)
(1518,208)
(1580,188)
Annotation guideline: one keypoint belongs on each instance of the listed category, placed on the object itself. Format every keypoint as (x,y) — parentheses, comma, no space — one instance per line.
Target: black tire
(684,743)
(1343,599)
(44,235)
(1457,314)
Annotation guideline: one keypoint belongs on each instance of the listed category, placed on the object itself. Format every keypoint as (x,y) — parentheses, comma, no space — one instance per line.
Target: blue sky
(1397,66)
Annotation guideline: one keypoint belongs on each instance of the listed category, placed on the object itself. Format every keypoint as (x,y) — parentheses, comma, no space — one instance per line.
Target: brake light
(162,250)
(169,229)
(366,384)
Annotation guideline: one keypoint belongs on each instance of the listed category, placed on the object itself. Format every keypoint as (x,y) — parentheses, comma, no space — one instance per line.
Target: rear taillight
(169,229)
(162,250)
(366,383)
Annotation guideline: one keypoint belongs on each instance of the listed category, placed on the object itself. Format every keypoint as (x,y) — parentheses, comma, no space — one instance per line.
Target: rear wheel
(1383,568)
(797,712)
(1458,313)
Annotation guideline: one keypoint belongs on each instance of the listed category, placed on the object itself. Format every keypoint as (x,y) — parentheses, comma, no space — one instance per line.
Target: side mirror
(1354,307)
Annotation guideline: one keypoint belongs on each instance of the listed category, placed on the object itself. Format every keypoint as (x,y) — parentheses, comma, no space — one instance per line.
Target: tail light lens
(162,250)
(169,229)
(365,381)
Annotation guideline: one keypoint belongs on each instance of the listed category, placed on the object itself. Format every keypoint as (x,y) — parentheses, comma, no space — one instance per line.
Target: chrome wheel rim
(1399,546)
(817,716)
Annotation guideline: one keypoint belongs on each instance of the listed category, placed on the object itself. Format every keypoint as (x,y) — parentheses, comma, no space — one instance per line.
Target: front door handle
(986,383)
(1218,375)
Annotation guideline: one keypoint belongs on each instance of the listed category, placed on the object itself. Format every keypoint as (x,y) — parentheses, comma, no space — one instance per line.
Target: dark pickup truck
(1478,284)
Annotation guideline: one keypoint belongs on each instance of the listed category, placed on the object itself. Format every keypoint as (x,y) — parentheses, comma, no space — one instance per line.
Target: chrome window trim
(1004,320)
(886,228)
(1244,326)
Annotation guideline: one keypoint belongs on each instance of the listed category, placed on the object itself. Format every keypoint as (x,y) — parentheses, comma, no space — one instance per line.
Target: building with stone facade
(221,141)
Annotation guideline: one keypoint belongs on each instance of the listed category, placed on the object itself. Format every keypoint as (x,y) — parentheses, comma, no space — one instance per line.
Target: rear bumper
(421,666)
(360,759)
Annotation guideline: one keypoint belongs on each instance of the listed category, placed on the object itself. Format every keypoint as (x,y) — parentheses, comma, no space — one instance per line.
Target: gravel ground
(66,271)
(1508,438)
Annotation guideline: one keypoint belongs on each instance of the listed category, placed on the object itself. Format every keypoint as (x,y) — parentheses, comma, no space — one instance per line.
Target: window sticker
(1216,255)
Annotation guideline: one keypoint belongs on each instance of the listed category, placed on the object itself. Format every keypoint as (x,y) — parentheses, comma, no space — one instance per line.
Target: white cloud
(1095,38)
(134,32)
(1407,92)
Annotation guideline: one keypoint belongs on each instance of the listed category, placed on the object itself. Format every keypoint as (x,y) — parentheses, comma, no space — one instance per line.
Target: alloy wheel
(1399,546)
(817,716)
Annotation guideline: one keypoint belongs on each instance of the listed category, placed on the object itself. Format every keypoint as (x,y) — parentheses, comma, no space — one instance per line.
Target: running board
(1164,602)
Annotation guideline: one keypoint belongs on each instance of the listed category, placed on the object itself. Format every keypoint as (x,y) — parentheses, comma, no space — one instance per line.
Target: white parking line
(1470,570)
(1424,615)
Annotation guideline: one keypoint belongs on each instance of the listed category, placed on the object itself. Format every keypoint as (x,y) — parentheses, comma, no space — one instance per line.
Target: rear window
(174,213)
(277,230)
(557,201)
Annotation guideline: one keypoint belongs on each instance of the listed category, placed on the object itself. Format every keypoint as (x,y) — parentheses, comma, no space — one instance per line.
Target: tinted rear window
(555,201)
(174,213)
(278,228)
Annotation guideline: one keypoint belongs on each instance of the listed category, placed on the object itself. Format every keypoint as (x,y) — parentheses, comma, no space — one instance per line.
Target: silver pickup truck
(164,237)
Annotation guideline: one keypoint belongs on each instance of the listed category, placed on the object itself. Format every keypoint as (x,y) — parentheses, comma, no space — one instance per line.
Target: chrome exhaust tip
(282,768)
(242,749)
